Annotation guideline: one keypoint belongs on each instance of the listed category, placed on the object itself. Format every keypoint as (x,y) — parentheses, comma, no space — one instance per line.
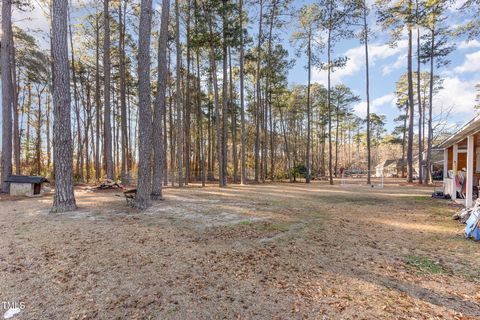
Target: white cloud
(377,105)
(400,62)
(458,94)
(472,44)
(383,51)
(35,21)
(356,62)
(471,63)
(456,5)
(32,20)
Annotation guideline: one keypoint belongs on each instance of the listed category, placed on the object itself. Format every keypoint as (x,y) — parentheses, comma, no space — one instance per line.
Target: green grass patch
(245,223)
(277,226)
(241,224)
(441,212)
(436,207)
(173,310)
(424,265)
(422,199)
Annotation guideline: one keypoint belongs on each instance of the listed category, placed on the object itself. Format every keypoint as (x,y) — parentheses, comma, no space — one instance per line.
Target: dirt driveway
(275,251)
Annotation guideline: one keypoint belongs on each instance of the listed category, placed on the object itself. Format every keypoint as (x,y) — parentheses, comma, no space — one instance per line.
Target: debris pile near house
(463,215)
(440,195)
(471,218)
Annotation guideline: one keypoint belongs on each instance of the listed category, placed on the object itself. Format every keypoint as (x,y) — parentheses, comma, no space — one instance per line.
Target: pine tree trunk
(429,177)
(264,135)
(225,98)
(258,97)
(420,114)
(125,173)
(116,131)
(210,135)
(411,108)
(233,110)
(367,94)
(165,136)
(98,167)
(178,100)
(329,104)
(47,125)
(79,168)
(7,98)
(64,198)
(243,179)
(28,124)
(322,151)
(88,122)
(309,54)
(404,140)
(159,110)
(172,139)
(268,104)
(107,122)
(144,184)
(199,108)
(38,129)
(188,141)
(213,71)
(15,89)
(284,131)
(217,119)
(337,126)
(272,138)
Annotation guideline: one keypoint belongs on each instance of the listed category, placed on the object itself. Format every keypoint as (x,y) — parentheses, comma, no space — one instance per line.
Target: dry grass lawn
(274,251)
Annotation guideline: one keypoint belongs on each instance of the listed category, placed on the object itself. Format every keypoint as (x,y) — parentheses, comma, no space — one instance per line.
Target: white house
(462,161)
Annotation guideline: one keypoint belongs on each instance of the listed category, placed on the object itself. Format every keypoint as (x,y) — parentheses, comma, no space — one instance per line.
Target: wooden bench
(130,196)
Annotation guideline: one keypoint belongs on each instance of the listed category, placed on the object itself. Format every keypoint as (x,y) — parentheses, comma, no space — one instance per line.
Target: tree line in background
(216,104)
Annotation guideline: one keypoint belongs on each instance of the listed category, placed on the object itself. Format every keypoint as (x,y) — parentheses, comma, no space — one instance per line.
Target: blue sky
(386,66)
(388,63)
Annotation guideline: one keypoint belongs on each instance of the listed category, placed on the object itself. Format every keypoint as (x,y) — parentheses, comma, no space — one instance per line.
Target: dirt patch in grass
(274,251)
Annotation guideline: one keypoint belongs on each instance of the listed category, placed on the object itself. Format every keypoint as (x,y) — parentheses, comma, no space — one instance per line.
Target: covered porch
(462,163)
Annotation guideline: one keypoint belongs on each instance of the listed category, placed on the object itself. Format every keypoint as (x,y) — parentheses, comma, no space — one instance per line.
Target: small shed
(29,186)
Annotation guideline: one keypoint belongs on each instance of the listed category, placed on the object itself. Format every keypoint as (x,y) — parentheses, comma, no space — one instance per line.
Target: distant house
(436,163)
(29,186)
(389,168)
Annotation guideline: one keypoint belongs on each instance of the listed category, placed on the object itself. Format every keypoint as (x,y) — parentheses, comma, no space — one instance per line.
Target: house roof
(26,179)
(388,163)
(471,127)
(436,157)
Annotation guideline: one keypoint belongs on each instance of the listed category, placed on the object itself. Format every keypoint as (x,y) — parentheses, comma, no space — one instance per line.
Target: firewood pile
(109,184)
(106,184)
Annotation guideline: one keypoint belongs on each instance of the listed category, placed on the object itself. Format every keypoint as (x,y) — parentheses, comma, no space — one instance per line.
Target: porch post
(470,154)
(455,159)
(454,168)
(445,164)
